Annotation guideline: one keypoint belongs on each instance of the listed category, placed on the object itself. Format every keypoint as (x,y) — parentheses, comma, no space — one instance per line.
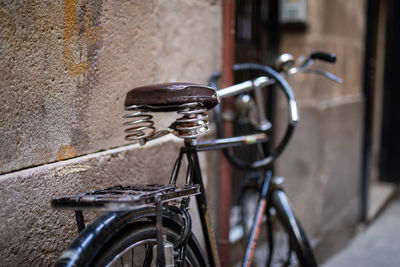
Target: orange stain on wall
(73,40)
(66,152)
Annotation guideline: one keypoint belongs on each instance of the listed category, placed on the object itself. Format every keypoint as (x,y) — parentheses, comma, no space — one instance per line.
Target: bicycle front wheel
(282,242)
(287,235)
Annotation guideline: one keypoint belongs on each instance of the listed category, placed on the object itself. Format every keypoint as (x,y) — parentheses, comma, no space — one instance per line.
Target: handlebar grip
(329,57)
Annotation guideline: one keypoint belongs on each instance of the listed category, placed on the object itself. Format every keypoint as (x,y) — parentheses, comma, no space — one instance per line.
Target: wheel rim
(137,255)
(283,255)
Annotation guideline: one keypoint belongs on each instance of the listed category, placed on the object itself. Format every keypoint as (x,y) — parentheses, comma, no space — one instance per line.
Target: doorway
(381,129)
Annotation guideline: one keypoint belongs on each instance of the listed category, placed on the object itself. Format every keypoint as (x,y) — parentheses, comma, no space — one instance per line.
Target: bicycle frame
(192,147)
(194,176)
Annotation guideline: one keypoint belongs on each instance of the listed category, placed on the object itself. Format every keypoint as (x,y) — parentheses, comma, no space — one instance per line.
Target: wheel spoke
(149,256)
(132,256)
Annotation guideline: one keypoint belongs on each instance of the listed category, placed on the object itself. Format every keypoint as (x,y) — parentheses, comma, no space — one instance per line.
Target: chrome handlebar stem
(257,85)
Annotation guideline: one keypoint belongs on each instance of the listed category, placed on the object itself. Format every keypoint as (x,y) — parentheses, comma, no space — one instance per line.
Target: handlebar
(262,82)
(285,64)
(328,57)
(287,67)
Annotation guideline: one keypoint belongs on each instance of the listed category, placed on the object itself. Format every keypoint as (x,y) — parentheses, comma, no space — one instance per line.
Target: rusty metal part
(228,47)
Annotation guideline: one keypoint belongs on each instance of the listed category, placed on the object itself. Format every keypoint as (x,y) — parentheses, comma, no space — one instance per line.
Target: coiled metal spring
(193,123)
(141,126)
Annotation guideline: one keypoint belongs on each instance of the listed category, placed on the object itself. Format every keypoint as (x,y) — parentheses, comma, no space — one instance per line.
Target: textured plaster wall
(323,161)
(65,69)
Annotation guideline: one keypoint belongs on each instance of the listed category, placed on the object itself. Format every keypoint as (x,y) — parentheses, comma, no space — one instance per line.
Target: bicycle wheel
(134,247)
(249,197)
(126,239)
(283,236)
(288,235)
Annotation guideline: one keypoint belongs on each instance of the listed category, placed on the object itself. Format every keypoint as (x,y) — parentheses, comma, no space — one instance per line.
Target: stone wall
(66,67)
(323,161)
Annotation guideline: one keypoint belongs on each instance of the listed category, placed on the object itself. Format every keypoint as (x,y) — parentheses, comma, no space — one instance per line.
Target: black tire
(293,230)
(112,233)
(290,244)
(129,247)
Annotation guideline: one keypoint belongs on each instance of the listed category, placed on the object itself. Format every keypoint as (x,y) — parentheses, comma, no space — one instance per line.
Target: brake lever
(306,63)
(286,65)
(326,74)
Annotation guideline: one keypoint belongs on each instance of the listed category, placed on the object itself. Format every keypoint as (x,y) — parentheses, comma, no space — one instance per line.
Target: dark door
(257,41)
(390,141)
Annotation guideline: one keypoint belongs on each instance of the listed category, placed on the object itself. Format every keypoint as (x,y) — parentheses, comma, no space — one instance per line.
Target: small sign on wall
(293,12)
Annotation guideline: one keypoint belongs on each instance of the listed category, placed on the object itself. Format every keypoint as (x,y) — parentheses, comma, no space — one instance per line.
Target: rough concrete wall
(323,161)
(66,67)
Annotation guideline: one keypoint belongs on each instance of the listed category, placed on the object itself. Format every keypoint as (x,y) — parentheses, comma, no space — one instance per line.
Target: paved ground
(378,245)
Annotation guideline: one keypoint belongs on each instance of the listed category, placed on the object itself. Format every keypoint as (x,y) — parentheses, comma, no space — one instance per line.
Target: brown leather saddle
(170,96)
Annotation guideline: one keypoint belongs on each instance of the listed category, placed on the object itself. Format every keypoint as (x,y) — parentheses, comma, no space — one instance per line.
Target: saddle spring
(140,126)
(193,123)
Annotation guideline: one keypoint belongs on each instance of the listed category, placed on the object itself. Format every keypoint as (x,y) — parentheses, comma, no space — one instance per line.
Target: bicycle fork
(255,231)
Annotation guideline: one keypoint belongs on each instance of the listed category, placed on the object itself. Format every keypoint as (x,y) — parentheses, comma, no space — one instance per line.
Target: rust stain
(70,30)
(79,34)
(93,35)
(66,152)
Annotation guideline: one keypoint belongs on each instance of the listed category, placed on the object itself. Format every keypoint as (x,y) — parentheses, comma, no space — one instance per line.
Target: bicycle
(148,225)
(251,185)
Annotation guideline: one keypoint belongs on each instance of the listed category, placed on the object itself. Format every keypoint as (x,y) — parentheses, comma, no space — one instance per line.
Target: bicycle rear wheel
(134,247)
(127,239)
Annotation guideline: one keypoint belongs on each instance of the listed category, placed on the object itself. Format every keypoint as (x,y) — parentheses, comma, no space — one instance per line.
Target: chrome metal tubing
(293,112)
(244,87)
(235,89)
(221,143)
(263,124)
(257,84)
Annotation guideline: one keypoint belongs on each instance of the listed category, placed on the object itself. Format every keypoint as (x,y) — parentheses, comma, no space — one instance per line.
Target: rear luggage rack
(124,197)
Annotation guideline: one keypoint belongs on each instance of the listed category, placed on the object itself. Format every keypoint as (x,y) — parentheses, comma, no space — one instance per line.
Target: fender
(104,228)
